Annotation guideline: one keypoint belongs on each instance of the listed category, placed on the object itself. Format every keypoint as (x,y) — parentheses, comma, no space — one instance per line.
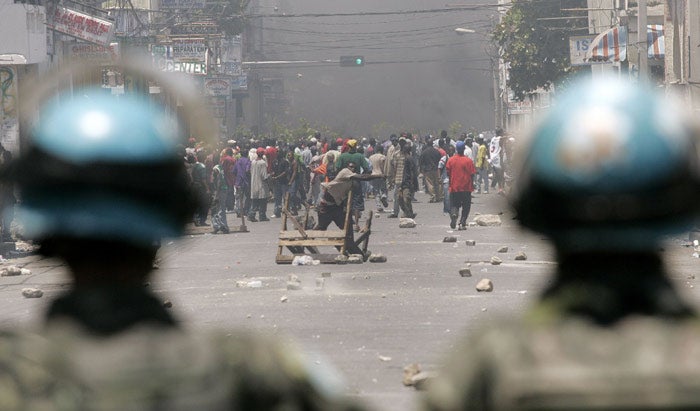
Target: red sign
(81,26)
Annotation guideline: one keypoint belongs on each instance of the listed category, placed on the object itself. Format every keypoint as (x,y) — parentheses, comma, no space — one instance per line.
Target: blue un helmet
(103,167)
(612,166)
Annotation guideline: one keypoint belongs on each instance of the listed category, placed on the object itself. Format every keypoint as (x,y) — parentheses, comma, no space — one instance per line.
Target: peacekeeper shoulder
(149,368)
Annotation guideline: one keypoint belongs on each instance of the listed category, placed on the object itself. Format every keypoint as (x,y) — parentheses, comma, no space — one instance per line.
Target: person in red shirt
(271,155)
(460,169)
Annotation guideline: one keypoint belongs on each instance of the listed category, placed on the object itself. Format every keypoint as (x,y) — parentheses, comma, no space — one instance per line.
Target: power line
(378,13)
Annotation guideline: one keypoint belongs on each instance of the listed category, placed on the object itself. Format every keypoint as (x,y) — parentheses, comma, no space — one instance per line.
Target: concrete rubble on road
(449,239)
(488,220)
(305,260)
(521,256)
(414,377)
(495,260)
(32,293)
(249,284)
(407,223)
(465,272)
(408,372)
(11,271)
(503,249)
(355,259)
(484,285)
(470,242)
(377,258)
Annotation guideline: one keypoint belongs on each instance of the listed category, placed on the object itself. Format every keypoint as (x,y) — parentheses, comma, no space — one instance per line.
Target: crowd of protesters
(242,177)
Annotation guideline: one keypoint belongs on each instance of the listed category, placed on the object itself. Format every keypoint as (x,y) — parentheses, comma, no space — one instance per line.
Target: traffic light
(352,61)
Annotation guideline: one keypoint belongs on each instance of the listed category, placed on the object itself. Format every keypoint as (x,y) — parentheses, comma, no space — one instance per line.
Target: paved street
(369,320)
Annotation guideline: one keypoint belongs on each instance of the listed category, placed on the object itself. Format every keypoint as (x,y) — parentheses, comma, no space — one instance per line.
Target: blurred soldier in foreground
(611,170)
(101,183)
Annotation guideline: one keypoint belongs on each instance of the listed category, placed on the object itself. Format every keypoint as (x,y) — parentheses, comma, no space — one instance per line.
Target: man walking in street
(258,187)
(378,163)
(482,165)
(241,171)
(280,181)
(406,179)
(460,169)
(429,159)
(227,163)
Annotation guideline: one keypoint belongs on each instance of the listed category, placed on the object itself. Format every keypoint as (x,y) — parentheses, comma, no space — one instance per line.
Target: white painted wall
(23,30)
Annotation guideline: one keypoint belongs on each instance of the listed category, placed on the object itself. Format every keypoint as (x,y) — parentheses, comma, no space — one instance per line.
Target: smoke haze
(419,74)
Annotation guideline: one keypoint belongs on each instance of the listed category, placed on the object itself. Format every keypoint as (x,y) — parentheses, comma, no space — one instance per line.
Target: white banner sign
(94,53)
(188,49)
(578,47)
(81,26)
(217,86)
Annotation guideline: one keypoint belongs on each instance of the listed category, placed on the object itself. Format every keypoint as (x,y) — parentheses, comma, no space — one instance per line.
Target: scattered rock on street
(326,275)
(449,239)
(377,258)
(407,223)
(420,380)
(341,259)
(11,271)
(470,242)
(484,285)
(32,293)
(495,260)
(26,271)
(167,304)
(503,249)
(465,272)
(488,220)
(249,284)
(283,299)
(521,256)
(408,372)
(355,259)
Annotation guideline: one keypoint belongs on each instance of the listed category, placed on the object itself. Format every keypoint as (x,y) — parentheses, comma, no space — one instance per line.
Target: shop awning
(611,45)
(655,41)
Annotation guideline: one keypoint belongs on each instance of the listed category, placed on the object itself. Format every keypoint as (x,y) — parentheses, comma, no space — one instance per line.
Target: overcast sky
(419,74)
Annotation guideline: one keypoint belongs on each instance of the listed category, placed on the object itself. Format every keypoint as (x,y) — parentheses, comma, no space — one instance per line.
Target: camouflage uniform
(146,362)
(594,341)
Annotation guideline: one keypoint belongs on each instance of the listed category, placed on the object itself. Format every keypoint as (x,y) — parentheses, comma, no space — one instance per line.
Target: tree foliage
(534,45)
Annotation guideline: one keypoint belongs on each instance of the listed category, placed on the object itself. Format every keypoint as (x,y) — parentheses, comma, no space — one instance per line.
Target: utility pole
(642,45)
(497,97)
(253,51)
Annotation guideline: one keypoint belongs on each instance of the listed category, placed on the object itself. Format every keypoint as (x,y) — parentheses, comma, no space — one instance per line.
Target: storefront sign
(82,26)
(195,28)
(188,49)
(94,53)
(217,86)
